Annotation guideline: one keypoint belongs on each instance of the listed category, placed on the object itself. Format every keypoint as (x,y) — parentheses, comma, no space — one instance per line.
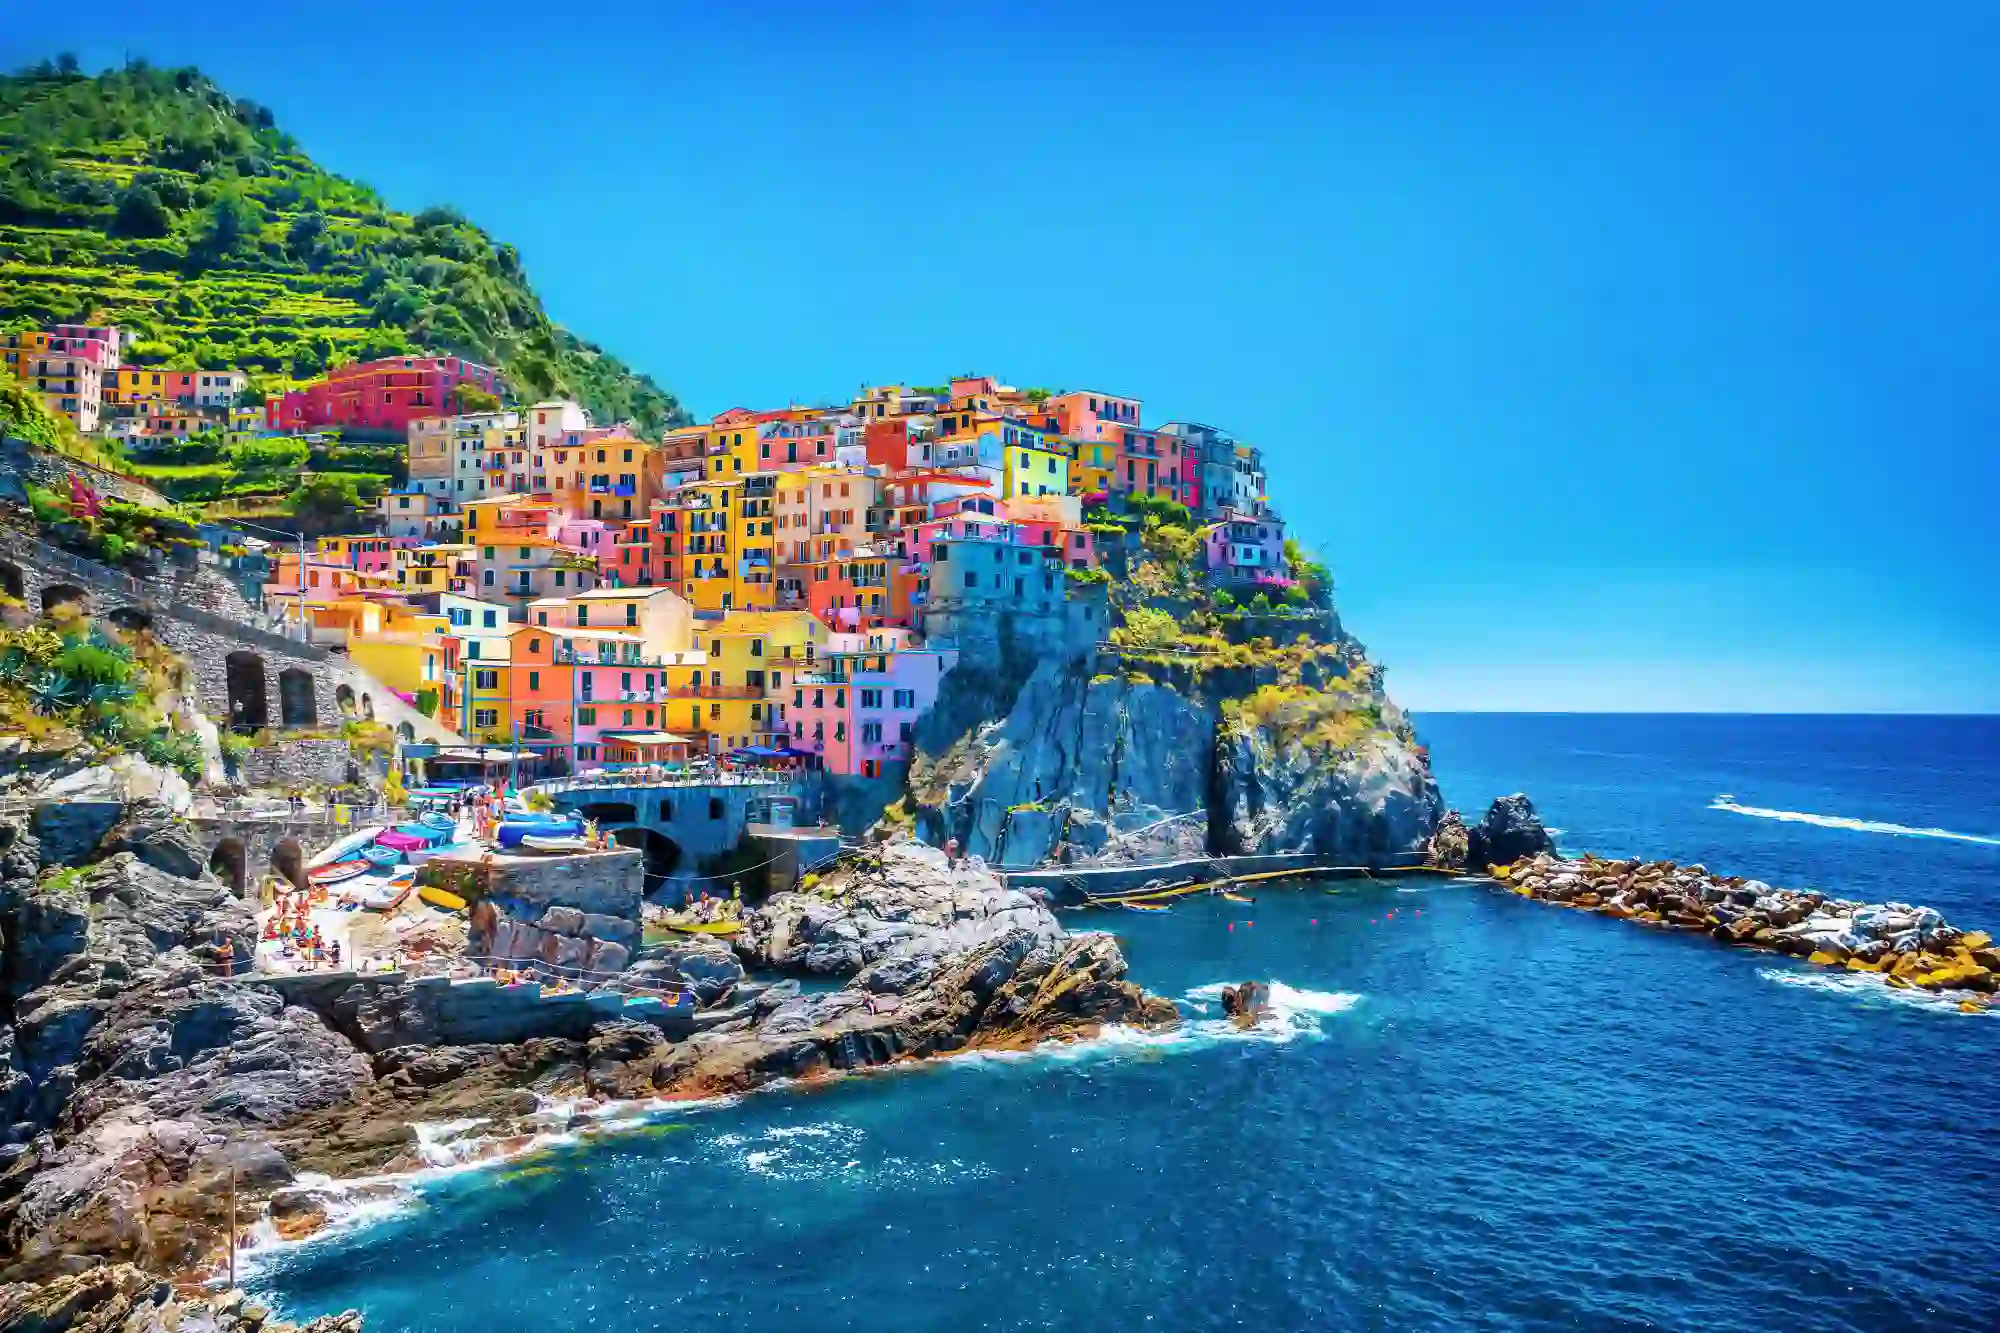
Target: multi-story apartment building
(380,398)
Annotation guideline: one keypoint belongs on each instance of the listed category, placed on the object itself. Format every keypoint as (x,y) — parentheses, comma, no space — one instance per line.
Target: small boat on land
(436,819)
(382,857)
(444,898)
(551,846)
(340,871)
(423,854)
(383,895)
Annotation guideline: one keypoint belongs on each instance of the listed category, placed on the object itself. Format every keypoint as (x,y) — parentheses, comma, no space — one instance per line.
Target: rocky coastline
(1907,947)
(137,1081)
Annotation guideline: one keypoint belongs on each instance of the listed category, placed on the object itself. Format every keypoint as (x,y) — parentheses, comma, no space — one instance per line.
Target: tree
(67,66)
(472,398)
(325,496)
(141,213)
(231,221)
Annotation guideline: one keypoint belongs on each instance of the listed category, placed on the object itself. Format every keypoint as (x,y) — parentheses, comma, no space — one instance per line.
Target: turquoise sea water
(1480,1112)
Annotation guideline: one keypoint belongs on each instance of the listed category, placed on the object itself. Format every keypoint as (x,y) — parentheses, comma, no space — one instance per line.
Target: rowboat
(706,927)
(424,854)
(381,857)
(513,831)
(339,872)
(384,896)
(443,823)
(1237,897)
(1146,907)
(535,842)
(444,898)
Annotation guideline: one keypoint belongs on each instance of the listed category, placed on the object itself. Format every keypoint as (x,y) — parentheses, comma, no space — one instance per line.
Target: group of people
(291,925)
(705,907)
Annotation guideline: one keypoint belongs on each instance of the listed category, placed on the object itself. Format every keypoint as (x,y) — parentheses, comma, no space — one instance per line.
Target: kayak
(1237,897)
(1146,907)
(339,872)
(535,842)
(444,898)
(511,832)
(706,927)
(381,857)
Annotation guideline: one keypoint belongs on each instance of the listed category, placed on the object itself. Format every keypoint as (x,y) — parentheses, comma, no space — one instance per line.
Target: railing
(611,780)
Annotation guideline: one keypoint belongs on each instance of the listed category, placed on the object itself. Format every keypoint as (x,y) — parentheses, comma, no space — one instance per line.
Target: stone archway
(368,707)
(229,863)
(249,704)
(405,732)
(343,699)
(288,858)
(610,812)
(298,704)
(60,594)
(662,854)
(13,583)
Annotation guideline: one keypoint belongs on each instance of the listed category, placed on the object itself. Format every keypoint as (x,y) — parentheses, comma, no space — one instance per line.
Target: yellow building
(751,656)
(1092,464)
(708,577)
(486,689)
(399,646)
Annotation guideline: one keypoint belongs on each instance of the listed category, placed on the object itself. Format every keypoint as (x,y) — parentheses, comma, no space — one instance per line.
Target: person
(333,951)
(225,957)
(951,852)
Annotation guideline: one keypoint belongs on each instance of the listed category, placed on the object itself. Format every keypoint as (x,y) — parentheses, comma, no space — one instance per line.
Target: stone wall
(300,763)
(578,914)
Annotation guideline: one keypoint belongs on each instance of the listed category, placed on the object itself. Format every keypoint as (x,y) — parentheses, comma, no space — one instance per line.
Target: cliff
(1189,728)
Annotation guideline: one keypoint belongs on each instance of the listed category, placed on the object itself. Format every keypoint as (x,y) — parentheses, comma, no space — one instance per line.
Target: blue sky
(1615,356)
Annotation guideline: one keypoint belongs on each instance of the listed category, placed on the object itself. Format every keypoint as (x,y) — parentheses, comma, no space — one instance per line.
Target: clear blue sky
(1616,356)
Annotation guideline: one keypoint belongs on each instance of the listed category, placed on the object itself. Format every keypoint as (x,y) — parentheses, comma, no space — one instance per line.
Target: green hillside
(151,199)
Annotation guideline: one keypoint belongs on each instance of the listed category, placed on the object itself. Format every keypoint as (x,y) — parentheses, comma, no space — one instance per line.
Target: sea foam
(1852,825)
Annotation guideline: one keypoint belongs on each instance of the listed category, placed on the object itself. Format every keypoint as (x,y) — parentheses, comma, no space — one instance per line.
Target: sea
(1471,1112)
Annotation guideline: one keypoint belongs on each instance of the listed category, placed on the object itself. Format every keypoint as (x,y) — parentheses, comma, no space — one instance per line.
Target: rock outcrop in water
(1907,947)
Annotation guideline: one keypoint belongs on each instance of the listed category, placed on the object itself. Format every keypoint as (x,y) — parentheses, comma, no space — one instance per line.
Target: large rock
(1373,804)
(74,812)
(123,1298)
(154,834)
(1511,832)
(909,901)
(706,965)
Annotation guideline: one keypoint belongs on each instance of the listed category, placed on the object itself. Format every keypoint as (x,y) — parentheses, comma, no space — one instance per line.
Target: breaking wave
(1865,986)
(1852,825)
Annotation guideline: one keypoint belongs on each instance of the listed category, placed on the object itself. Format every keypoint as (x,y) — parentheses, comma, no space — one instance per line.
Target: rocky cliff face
(1065,763)
(1368,805)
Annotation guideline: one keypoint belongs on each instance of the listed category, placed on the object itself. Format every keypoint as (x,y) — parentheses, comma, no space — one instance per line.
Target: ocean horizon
(1472,1111)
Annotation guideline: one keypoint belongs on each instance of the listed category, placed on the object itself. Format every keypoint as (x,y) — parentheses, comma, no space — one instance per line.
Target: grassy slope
(151,199)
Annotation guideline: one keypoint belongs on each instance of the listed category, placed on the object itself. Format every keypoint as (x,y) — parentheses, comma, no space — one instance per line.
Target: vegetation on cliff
(151,199)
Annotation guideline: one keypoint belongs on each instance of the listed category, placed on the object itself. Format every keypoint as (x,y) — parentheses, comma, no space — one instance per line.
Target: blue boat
(513,831)
(381,857)
(438,820)
(425,831)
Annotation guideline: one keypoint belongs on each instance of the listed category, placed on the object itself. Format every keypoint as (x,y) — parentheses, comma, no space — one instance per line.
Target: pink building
(379,397)
(1249,547)
(859,712)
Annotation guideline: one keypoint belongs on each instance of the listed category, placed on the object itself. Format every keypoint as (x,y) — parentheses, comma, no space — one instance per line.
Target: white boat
(553,845)
(382,895)
(418,856)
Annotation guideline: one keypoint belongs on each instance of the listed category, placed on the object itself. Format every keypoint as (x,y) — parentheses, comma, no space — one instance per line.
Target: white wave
(1852,825)
(1865,986)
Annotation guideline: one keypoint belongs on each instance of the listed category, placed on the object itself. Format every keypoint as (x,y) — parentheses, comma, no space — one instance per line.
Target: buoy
(1315,921)
(1232,927)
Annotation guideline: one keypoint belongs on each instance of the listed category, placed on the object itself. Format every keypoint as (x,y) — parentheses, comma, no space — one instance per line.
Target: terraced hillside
(151,199)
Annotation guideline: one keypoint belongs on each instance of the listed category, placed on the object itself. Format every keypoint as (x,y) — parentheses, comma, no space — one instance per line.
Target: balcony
(685,691)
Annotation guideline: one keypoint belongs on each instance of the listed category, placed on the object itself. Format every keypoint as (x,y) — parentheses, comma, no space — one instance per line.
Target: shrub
(1147,628)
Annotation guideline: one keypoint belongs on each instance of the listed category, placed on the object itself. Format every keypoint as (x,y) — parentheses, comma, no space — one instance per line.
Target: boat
(706,927)
(535,842)
(339,872)
(444,898)
(382,895)
(510,833)
(1237,897)
(1146,907)
(438,820)
(382,857)
(423,854)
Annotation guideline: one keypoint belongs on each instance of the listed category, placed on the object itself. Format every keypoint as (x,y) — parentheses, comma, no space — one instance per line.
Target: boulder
(700,962)
(1510,833)
(1448,847)
(158,837)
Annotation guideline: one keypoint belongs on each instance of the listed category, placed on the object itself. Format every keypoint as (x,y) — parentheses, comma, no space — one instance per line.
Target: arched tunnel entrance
(231,865)
(288,858)
(662,854)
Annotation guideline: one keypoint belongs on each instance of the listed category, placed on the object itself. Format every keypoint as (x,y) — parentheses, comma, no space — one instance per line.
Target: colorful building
(380,398)
(857,713)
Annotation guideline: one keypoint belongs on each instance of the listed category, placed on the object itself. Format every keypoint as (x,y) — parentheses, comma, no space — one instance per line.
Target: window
(534,680)
(485,717)
(906,698)
(871,733)
(871,698)
(486,680)
(586,717)
(715,712)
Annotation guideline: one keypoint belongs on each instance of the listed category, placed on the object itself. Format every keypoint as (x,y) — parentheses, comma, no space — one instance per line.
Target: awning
(645,738)
(756,751)
(475,756)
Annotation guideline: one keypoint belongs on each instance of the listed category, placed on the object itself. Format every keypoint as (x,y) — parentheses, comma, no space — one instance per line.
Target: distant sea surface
(1475,1111)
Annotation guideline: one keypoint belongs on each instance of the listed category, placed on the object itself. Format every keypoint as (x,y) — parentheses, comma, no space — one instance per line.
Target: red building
(379,397)
(643,554)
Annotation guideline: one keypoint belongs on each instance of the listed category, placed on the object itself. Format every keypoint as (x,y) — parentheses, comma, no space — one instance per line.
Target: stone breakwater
(1909,948)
